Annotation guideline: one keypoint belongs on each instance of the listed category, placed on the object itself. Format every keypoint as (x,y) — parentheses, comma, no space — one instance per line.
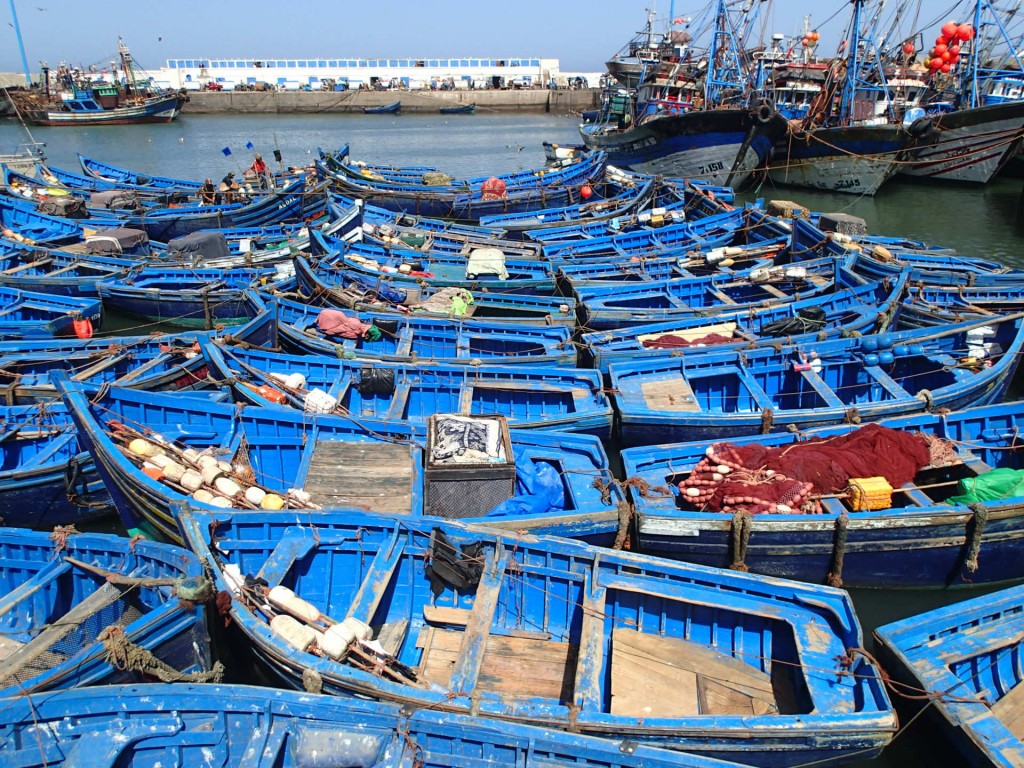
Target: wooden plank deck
(368,475)
(659,676)
(519,667)
(1010,710)
(669,395)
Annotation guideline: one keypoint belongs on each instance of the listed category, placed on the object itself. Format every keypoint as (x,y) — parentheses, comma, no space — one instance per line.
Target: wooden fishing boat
(314,459)
(392,108)
(459,109)
(140,725)
(718,395)
(961,657)
(45,478)
(930,305)
(191,298)
(84,609)
(58,272)
(928,533)
(531,397)
(468,200)
(322,286)
(552,632)
(854,308)
(123,177)
(405,338)
(23,225)
(618,304)
(402,269)
(28,315)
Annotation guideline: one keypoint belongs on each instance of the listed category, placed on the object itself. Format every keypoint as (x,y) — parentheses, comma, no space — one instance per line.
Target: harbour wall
(556,101)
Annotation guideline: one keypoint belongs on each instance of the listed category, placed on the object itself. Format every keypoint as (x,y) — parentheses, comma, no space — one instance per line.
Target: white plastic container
(318,401)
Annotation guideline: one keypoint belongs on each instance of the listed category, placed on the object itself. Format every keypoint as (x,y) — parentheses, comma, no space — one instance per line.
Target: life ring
(764,111)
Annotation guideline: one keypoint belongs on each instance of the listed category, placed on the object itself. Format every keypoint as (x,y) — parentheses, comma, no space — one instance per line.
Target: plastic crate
(459,490)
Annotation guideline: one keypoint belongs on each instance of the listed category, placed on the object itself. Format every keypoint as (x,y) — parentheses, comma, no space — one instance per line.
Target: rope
(626,512)
(124,655)
(975,530)
(835,571)
(740,540)
(767,420)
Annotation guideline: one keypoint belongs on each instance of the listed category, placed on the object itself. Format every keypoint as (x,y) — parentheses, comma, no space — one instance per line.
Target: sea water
(985,222)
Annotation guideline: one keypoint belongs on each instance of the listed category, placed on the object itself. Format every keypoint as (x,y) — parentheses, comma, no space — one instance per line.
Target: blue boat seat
(888,383)
(474,639)
(824,390)
(588,694)
(376,579)
(40,580)
(917,496)
(295,543)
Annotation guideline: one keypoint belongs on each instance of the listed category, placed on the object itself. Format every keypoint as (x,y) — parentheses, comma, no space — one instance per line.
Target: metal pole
(21,45)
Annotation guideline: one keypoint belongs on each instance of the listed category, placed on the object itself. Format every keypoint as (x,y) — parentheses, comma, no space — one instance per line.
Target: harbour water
(987,223)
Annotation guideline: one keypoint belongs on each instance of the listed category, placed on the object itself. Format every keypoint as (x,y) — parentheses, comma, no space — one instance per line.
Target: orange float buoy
(908,49)
(492,189)
(586,191)
(964,32)
(949,29)
(82,327)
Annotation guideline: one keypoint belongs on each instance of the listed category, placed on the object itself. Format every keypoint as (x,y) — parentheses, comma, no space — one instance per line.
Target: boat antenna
(21,45)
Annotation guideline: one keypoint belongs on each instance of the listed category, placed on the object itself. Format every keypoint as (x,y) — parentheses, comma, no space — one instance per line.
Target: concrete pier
(561,101)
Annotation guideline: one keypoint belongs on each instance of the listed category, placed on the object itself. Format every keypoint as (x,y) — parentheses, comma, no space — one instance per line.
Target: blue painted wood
(30,315)
(920,541)
(280,442)
(239,726)
(530,397)
(725,394)
(532,593)
(44,578)
(966,657)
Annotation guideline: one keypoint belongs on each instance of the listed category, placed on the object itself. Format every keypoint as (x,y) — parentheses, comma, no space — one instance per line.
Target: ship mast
(21,45)
(126,65)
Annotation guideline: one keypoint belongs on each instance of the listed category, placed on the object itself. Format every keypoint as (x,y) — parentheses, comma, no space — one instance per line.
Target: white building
(343,74)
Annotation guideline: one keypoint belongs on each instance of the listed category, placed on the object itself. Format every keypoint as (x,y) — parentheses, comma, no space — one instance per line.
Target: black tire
(764,111)
(921,128)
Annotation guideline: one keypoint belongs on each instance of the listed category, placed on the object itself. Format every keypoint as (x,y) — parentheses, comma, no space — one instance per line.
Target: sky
(582,34)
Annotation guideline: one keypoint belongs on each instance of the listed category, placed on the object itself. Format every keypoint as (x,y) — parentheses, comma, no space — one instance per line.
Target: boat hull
(856,160)
(971,145)
(722,146)
(162,110)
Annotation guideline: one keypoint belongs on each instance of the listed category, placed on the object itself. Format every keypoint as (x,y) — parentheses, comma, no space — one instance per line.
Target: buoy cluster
(810,40)
(946,53)
(201,475)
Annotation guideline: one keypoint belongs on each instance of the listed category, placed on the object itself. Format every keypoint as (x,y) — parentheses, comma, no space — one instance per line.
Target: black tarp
(198,247)
(119,240)
(65,206)
(114,199)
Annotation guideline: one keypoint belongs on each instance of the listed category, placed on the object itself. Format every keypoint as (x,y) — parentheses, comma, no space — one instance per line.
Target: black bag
(449,567)
(65,206)
(387,327)
(375,381)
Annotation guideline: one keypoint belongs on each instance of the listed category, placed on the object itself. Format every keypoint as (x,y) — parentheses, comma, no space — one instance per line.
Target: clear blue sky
(582,34)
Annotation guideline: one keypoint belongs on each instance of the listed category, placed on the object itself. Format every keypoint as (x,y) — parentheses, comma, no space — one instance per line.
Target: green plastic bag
(991,486)
(372,334)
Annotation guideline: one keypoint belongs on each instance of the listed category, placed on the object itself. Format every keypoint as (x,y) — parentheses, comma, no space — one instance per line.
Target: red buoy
(586,191)
(493,189)
(949,29)
(82,327)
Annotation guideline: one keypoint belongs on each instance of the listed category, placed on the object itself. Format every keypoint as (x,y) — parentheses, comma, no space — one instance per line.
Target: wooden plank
(1010,710)
(824,390)
(589,694)
(669,395)
(439,614)
(478,629)
(377,579)
(295,543)
(367,475)
(659,676)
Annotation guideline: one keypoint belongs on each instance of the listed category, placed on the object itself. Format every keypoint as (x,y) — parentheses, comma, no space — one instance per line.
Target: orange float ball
(908,49)
(964,32)
(945,68)
(939,49)
(935,63)
(586,191)
(949,29)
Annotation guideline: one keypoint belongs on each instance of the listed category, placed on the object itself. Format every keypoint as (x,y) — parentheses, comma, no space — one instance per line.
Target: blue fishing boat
(312,329)
(404,269)
(123,177)
(929,305)
(718,395)
(468,200)
(961,658)
(459,109)
(84,609)
(693,114)
(466,467)
(930,530)
(651,301)
(531,397)
(550,632)
(337,287)
(137,726)
(393,108)
(46,479)
(59,273)
(28,315)
(191,298)
(23,225)
(857,308)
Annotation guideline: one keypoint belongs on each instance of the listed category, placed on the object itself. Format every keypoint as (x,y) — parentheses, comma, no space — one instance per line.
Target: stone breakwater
(314,102)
